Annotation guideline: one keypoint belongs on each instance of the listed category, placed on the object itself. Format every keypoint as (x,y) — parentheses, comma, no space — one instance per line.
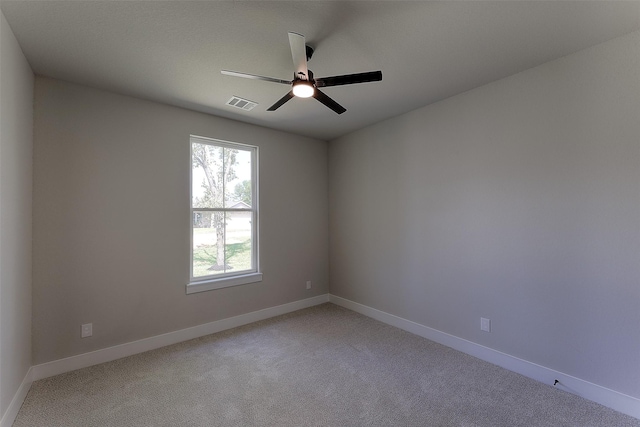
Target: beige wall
(111,219)
(518,201)
(16,148)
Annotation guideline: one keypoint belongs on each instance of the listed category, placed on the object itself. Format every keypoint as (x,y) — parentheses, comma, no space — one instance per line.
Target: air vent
(241,103)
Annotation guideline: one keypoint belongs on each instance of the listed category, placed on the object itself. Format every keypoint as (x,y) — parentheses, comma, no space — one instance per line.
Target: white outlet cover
(485,324)
(87,330)
(308,284)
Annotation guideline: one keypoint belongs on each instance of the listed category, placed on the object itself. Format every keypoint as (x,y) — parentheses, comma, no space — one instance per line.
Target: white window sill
(211,284)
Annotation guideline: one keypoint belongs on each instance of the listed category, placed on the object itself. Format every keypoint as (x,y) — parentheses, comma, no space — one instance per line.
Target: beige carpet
(322,366)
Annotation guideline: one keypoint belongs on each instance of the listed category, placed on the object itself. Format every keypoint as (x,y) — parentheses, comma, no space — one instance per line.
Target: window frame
(224,280)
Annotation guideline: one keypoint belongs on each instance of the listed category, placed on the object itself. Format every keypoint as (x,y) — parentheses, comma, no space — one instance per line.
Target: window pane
(208,174)
(208,243)
(238,241)
(238,190)
(223,176)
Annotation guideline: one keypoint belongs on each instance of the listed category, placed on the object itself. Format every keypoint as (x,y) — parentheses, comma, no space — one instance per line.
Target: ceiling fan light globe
(303,89)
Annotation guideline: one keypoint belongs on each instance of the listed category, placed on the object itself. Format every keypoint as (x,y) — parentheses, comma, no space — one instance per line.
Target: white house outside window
(224,214)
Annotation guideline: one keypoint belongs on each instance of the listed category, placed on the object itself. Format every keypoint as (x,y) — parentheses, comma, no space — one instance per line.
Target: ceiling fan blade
(349,79)
(281,102)
(253,76)
(320,96)
(299,55)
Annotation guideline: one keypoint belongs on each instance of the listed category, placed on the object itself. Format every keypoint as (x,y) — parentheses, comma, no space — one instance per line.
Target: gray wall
(518,201)
(16,148)
(111,219)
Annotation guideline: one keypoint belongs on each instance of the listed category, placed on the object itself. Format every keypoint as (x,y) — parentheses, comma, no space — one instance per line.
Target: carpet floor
(321,366)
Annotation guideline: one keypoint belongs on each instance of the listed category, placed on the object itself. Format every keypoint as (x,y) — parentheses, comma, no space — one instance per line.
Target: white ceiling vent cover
(241,103)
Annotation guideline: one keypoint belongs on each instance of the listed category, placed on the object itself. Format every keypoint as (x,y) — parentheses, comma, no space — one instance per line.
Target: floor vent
(241,103)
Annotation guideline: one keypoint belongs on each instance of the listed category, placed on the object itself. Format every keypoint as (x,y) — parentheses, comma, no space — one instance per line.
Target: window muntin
(224,214)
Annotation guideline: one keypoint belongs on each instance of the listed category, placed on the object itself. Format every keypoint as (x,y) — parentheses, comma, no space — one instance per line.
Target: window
(224,214)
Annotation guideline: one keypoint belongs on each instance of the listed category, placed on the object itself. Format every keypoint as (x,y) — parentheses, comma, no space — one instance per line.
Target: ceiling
(172,51)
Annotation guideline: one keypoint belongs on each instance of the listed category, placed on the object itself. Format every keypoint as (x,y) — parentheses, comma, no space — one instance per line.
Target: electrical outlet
(87,330)
(485,324)
(308,284)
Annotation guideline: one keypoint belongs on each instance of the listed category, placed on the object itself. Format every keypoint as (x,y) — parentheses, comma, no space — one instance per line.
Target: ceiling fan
(304,85)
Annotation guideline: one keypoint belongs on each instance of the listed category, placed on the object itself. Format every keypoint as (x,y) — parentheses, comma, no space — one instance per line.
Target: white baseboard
(72,363)
(615,400)
(618,401)
(10,414)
